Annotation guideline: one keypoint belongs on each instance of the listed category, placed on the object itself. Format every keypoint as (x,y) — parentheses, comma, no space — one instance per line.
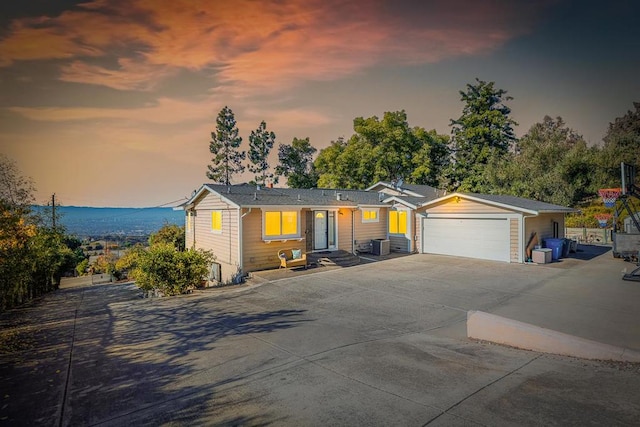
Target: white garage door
(467,237)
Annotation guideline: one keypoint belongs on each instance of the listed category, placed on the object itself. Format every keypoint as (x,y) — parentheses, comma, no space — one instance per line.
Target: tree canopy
(33,255)
(621,144)
(482,134)
(383,150)
(551,163)
(295,163)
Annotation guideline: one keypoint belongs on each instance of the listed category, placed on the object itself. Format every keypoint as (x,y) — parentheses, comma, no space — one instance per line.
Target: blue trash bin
(556,247)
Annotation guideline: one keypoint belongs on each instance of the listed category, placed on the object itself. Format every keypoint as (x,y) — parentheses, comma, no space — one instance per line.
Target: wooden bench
(287,261)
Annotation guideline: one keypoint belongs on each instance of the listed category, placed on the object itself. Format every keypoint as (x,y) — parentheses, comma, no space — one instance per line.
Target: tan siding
(449,206)
(259,255)
(514,233)
(543,225)
(418,232)
(223,245)
(188,240)
(366,231)
(344,230)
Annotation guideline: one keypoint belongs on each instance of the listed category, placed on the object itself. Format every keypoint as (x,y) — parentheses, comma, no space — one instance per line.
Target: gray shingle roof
(249,195)
(519,202)
(426,191)
(415,190)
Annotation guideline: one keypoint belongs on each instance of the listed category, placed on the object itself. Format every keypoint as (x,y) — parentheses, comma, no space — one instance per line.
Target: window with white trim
(370,215)
(281,224)
(397,222)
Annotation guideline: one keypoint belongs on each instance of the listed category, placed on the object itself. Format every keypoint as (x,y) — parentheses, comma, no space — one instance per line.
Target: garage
(481,237)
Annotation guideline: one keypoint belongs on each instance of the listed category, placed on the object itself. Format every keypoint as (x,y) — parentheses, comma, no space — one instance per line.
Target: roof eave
(480,200)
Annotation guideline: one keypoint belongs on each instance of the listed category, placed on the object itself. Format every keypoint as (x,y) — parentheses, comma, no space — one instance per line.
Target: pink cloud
(266,45)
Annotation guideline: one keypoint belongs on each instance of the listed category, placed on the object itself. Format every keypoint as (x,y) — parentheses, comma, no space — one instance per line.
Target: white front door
(320,234)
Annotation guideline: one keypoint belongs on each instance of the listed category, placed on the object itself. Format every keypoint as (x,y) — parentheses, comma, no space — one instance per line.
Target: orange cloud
(265,45)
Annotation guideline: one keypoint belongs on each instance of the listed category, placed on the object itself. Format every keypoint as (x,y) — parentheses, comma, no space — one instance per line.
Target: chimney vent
(338,196)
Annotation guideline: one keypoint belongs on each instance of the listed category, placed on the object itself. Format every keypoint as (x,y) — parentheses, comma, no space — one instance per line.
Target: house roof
(251,196)
(412,202)
(508,202)
(411,190)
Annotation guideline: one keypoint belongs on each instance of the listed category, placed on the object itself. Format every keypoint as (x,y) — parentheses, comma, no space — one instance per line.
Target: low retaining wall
(500,330)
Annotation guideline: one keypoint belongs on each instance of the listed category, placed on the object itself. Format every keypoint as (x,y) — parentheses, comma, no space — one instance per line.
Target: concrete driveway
(376,344)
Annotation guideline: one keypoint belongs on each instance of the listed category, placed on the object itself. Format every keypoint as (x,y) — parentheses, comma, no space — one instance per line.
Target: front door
(321,231)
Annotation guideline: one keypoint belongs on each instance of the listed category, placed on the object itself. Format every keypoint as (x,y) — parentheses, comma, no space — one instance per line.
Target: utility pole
(53,210)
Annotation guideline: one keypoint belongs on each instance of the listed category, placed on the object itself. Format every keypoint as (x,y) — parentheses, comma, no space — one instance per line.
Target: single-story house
(245,226)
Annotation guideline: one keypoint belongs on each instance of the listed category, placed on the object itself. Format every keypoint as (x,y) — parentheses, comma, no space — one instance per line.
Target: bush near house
(165,269)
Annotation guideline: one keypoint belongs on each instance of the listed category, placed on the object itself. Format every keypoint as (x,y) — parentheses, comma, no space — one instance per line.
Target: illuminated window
(397,222)
(281,224)
(370,215)
(189,221)
(216,221)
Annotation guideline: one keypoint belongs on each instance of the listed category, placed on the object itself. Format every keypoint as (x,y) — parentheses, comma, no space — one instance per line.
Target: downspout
(240,237)
(353,230)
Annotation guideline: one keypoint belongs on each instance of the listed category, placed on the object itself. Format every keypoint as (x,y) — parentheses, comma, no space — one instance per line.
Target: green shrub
(165,269)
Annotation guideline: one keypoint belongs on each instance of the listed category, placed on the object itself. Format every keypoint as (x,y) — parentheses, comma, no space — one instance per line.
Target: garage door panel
(467,237)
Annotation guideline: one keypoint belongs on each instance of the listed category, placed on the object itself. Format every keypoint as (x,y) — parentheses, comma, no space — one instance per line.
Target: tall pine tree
(260,144)
(227,159)
(483,133)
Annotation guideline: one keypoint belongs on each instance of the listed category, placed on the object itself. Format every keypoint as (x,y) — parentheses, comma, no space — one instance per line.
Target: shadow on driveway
(101,354)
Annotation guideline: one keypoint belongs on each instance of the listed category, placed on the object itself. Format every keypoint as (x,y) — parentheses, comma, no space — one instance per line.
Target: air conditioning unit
(380,246)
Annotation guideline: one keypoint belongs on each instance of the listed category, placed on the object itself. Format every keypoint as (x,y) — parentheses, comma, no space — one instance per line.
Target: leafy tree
(260,144)
(227,160)
(483,133)
(349,164)
(431,158)
(164,268)
(82,267)
(16,190)
(551,163)
(33,256)
(295,163)
(169,234)
(393,144)
(621,144)
(384,150)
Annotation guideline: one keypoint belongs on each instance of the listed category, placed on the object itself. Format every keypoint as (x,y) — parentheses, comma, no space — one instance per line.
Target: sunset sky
(112,102)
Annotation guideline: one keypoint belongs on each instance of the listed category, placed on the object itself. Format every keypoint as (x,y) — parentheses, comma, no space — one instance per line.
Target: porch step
(340,258)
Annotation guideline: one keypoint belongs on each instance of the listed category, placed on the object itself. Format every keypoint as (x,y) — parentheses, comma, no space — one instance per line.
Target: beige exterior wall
(188,230)
(450,206)
(345,217)
(365,231)
(224,245)
(258,254)
(543,226)
(515,247)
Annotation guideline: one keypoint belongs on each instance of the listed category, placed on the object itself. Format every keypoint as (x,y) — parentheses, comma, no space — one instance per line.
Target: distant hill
(87,221)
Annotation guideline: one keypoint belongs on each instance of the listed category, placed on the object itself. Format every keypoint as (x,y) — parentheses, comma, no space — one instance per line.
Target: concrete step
(340,258)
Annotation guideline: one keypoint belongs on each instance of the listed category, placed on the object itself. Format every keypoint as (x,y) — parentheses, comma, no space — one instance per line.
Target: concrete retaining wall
(500,330)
